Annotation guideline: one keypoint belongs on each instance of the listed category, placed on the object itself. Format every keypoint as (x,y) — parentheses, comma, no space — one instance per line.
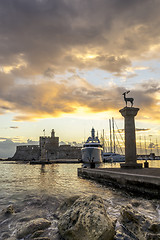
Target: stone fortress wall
(27,152)
(49,146)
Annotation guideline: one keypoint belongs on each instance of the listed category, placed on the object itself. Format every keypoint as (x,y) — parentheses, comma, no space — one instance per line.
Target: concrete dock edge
(141,184)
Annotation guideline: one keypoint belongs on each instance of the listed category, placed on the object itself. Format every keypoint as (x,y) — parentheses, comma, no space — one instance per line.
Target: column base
(131,165)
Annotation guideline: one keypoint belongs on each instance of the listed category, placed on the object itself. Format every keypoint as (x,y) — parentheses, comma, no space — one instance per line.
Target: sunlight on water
(21,183)
(56,179)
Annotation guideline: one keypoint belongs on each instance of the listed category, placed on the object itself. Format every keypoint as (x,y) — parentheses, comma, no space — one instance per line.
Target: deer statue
(128,99)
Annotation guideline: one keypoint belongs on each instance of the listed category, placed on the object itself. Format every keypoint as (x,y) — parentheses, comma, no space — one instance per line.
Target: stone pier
(130,140)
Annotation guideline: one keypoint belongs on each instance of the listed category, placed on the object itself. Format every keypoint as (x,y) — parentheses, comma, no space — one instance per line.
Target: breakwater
(142,181)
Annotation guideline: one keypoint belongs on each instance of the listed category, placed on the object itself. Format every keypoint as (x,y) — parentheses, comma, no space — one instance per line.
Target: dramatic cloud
(52,99)
(41,35)
(40,39)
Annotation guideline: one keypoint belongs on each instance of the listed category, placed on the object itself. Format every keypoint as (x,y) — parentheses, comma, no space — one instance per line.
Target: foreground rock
(8,210)
(86,219)
(32,227)
(133,225)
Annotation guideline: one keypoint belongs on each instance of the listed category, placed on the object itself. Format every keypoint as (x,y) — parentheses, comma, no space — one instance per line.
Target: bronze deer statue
(128,99)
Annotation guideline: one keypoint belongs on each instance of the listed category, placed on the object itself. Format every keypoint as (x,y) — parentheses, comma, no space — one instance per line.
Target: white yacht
(92,151)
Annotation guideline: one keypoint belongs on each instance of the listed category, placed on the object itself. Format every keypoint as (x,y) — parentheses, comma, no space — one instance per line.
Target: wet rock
(24,219)
(150,236)
(135,203)
(33,226)
(37,234)
(5,235)
(86,219)
(11,238)
(42,238)
(134,225)
(128,214)
(9,210)
(67,204)
(155,227)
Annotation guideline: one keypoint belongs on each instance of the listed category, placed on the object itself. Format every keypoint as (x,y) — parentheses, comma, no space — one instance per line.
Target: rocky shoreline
(77,218)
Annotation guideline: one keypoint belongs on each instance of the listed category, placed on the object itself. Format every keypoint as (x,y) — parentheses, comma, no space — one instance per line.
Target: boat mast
(157,147)
(114,145)
(150,143)
(140,146)
(145,145)
(103,141)
(110,135)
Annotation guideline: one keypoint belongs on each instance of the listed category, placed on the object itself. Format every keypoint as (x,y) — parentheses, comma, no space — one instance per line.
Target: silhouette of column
(130,140)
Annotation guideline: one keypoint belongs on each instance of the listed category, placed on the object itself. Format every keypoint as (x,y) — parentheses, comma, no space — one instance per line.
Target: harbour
(39,190)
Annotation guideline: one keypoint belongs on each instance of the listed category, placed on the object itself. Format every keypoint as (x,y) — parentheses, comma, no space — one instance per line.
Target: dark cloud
(40,39)
(42,35)
(142,129)
(137,130)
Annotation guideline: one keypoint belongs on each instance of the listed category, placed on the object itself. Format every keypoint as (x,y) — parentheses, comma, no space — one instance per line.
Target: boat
(113,157)
(92,151)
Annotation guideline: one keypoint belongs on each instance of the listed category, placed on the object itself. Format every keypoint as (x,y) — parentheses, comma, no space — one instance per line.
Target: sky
(64,65)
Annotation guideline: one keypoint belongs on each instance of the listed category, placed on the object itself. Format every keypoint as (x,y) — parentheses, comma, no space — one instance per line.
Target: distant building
(47,149)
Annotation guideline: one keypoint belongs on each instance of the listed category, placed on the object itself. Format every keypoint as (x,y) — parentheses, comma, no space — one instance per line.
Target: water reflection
(20,183)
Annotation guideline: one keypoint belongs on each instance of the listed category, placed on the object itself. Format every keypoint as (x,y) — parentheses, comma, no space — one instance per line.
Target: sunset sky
(64,64)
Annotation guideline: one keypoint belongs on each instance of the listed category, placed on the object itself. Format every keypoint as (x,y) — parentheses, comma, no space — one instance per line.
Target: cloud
(51,36)
(40,40)
(8,146)
(53,99)
(142,129)
(137,130)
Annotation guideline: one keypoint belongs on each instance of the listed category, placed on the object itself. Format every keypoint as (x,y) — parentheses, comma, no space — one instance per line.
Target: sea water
(37,191)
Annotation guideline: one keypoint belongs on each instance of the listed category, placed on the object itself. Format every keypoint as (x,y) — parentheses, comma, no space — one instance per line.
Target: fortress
(48,149)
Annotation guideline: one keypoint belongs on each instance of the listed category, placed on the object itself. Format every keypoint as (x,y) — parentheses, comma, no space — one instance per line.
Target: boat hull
(92,155)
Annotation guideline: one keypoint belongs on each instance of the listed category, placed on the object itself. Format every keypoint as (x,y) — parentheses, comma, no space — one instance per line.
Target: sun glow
(20,63)
(87,56)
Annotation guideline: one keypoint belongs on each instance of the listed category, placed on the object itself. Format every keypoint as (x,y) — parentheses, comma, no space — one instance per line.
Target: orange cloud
(53,99)
(66,36)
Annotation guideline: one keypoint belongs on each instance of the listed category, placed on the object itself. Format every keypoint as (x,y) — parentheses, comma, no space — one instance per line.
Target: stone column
(130,140)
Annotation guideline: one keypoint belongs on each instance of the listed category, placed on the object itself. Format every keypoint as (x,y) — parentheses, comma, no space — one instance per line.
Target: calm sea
(35,189)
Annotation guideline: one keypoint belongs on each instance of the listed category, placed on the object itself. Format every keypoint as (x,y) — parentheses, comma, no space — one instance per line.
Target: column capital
(129,111)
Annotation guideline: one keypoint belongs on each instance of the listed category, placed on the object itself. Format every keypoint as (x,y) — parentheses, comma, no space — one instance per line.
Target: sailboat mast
(114,145)
(145,146)
(140,146)
(157,147)
(150,143)
(103,141)
(110,135)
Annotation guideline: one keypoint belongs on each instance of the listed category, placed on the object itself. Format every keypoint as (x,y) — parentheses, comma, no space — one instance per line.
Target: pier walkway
(145,181)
